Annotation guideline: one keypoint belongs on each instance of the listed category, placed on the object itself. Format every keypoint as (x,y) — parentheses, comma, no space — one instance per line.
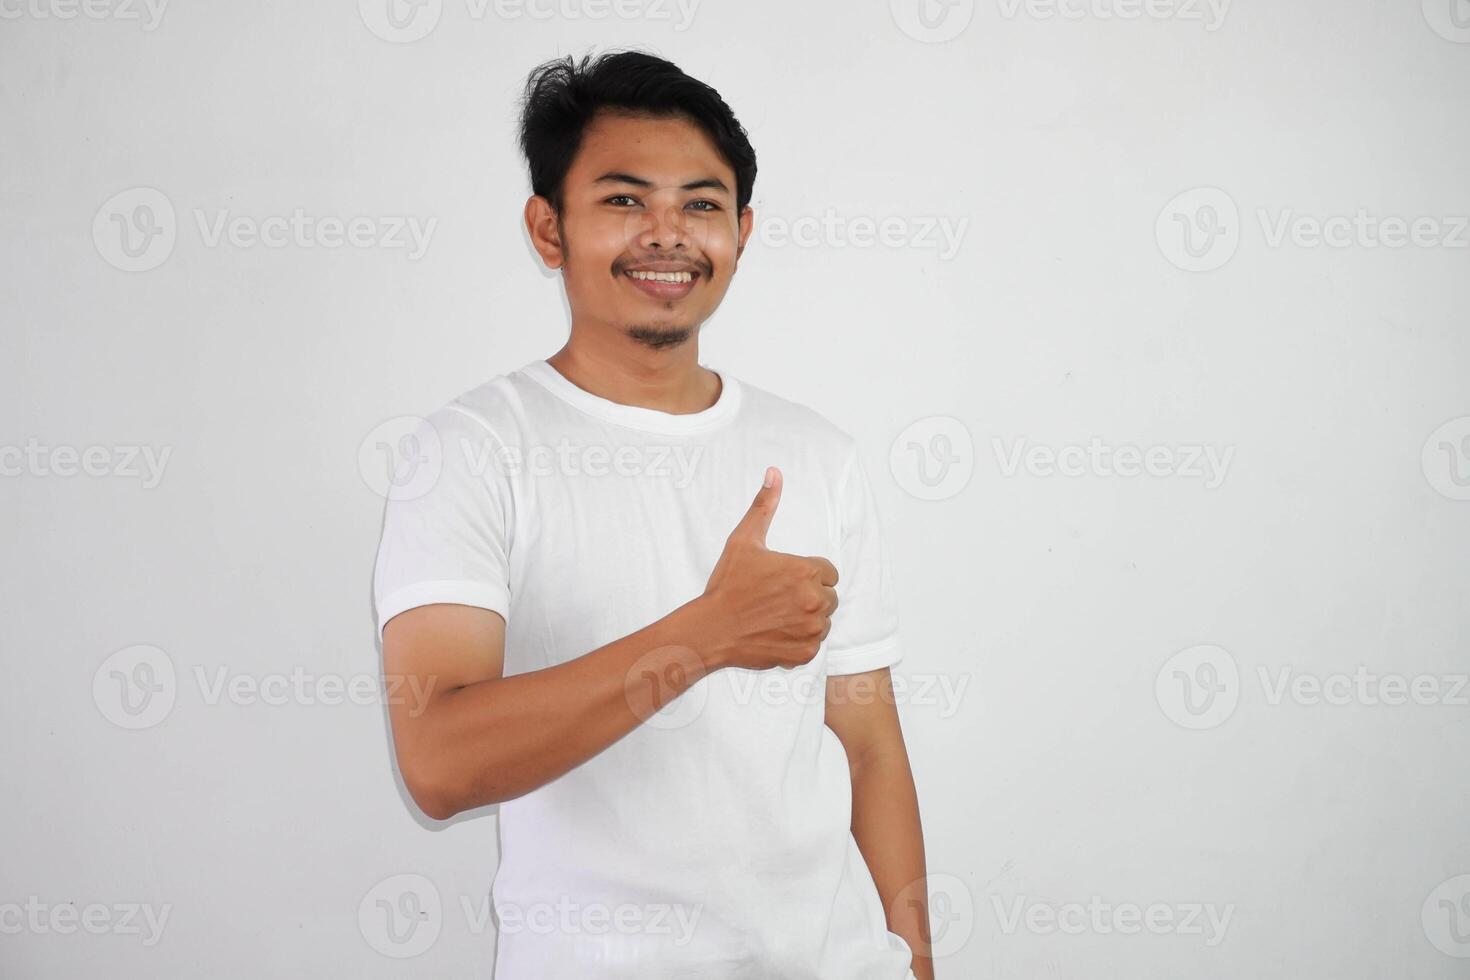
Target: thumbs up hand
(770,609)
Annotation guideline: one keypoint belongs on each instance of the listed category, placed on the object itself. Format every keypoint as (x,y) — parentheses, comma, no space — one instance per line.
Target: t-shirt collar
(635,416)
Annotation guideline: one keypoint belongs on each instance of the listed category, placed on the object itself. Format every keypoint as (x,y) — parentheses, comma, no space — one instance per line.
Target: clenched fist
(769,609)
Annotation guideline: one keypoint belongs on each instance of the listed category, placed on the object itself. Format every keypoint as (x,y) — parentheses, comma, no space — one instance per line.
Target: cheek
(597,240)
(719,246)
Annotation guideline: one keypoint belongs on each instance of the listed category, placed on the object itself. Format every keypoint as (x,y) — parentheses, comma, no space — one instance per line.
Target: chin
(659,335)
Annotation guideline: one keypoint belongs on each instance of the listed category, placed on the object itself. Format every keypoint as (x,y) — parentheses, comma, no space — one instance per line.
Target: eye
(712,205)
(618,197)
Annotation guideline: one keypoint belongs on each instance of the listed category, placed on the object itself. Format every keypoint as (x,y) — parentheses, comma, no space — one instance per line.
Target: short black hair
(562,96)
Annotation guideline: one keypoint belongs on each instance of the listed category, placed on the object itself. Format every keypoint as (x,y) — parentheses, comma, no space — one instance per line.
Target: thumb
(757,520)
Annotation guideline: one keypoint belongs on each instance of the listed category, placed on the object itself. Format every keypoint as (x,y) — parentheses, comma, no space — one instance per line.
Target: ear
(541,224)
(747,223)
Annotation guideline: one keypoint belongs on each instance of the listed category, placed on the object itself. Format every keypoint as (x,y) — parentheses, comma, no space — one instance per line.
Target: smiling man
(651,600)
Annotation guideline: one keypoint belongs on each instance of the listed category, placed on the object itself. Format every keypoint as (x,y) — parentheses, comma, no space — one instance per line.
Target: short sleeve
(864,634)
(447,526)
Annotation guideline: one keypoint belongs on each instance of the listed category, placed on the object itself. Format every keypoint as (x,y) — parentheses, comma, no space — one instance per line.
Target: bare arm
(478,737)
(885,806)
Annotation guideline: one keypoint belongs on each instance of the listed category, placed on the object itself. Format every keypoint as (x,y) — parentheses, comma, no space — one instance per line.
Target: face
(648,238)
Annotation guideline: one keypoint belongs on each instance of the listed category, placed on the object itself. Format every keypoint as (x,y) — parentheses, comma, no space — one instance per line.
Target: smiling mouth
(685,276)
(663,285)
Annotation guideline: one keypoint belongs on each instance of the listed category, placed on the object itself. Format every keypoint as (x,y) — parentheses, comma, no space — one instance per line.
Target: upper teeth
(663,276)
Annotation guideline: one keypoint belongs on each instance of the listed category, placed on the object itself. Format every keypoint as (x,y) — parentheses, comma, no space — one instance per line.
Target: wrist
(699,625)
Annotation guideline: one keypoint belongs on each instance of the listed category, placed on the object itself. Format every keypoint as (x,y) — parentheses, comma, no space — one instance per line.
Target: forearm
(498,739)
(885,824)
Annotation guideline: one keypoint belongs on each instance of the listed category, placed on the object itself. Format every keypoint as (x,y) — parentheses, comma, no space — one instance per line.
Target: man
(623,589)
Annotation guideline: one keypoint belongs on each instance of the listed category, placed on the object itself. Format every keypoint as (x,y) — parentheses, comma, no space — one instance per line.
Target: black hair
(562,97)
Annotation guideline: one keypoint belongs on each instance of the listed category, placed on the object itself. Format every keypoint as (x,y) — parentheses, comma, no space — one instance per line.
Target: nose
(663,227)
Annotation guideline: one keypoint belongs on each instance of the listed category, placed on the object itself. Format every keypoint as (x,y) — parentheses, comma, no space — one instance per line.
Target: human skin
(479,737)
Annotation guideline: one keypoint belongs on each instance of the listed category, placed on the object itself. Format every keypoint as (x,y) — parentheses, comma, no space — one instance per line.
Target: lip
(663,290)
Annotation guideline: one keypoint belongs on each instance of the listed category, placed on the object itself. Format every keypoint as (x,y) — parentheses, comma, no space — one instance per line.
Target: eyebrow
(710,183)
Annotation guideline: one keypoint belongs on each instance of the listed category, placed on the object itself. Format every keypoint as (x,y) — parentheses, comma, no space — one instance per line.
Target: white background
(1335,539)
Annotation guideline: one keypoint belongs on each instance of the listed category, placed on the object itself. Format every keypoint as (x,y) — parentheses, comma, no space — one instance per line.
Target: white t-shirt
(713,840)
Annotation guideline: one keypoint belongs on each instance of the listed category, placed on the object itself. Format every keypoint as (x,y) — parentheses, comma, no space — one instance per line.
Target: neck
(630,373)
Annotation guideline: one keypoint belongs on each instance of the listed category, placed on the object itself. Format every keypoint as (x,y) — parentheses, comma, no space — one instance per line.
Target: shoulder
(469,440)
(802,424)
(492,409)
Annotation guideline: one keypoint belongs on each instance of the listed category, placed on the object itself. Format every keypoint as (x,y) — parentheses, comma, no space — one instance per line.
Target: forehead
(665,150)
